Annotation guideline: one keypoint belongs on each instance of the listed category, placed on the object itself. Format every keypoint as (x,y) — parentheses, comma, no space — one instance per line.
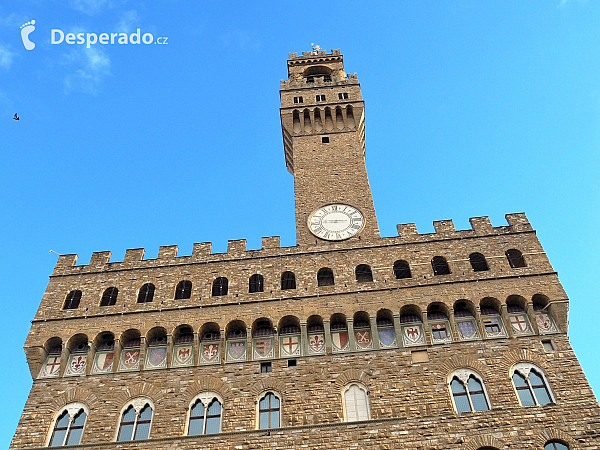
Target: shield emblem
(544,323)
(386,337)
(182,355)
(131,358)
(363,338)
(210,352)
(104,362)
(316,343)
(157,357)
(263,347)
(466,329)
(493,327)
(237,350)
(290,345)
(413,335)
(77,364)
(340,340)
(519,324)
(51,368)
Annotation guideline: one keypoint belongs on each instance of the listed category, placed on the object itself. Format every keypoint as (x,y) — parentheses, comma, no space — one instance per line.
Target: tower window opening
(325,140)
(146,294)
(265,367)
(325,277)
(321,97)
(515,258)
(363,274)
(288,280)
(220,287)
(109,298)
(478,262)
(440,266)
(72,300)
(256,283)
(326,77)
(298,100)
(343,96)
(183,290)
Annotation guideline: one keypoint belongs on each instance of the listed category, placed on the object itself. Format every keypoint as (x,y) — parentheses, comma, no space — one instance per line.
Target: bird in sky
(16,117)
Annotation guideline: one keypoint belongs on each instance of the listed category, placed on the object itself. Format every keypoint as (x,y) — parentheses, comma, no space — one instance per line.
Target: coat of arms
(363,339)
(340,341)
(387,337)
(290,345)
(103,363)
(237,351)
(76,365)
(131,360)
(545,323)
(157,357)
(210,352)
(316,343)
(519,324)
(466,329)
(413,335)
(183,355)
(263,348)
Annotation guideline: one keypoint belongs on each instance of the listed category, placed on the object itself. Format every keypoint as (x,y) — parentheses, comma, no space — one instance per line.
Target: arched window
(356,403)
(183,290)
(288,280)
(109,298)
(468,393)
(325,277)
(146,293)
(136,420)
(556,445)
(515,258)
(256,283)
(220,287)
(69,424)
(72,300)
(478,262)
(530,385)
(269,411)
(363,273)
(402,269)
(440,266)
(205,415)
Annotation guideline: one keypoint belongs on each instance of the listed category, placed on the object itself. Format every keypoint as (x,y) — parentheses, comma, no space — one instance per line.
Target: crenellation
(518,222)
(133,255)
(481,225)
(445,227)
(271,242)
(407,230)
(64,264)
(236,247)
(167,252)
(99,259)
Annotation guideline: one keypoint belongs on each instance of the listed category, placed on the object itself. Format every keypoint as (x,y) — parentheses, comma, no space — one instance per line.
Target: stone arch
(138,390)
(510,358)
(267,384)
(551,434)
(464,362)
(350,375)
(77,394)
(483,441)
(204,384)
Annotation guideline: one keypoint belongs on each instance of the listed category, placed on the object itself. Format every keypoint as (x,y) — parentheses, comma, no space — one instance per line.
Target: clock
(336,222)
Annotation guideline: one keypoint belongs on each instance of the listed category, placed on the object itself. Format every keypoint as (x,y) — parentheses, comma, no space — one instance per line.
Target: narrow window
(268,412)
(356,403)
(470,396)
(325,277)
(440,266)
(478,262)
(72,300)
(555,445)
(219,287)
(531,389)
(343,96)
(548,345)
(321,98)
(363,274)
(183,290)
(146,293)
(402,269)
(256,283)
(205,420)
(515,258)
(292,363)
(325,140)
(298,100)
(67,431)
(109,298)
(288,280)
(266,367)
(134,426)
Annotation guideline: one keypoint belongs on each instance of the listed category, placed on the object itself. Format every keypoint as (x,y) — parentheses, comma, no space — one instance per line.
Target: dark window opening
(256,283)
(402,269)
(326,77)
(321,97)
(548,346)
(220,287)
(440,266)
(325,277)
(515,258)
(363,274)
(325,140)
(288,280)
(265,367)
(298,100)
(146,294)
(109,298)
(478,262)
(292,363)
(72,300)
(183,290)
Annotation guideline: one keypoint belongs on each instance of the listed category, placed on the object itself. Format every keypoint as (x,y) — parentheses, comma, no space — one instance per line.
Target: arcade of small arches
(325,277)
(291,337)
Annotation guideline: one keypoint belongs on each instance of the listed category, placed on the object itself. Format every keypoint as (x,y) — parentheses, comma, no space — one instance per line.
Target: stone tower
(456,339)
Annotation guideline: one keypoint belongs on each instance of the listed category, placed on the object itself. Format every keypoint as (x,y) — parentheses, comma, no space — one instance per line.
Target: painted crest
(493,327)
(316,343)
(290,346)
(340,341)
(387,337)
(103,363)
(545,323)
(130,360)
(236,351)
(156,358)
(263,348)
(519,324)
(413,335)
(183,355)
(363,339)
(467,329)
(210,352)
(51,367)
(76,365)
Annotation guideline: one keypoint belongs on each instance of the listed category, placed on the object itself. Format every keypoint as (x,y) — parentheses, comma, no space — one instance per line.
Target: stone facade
(408,335)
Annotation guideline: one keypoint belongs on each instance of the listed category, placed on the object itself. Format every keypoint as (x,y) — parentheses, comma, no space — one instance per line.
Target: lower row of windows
(467,391)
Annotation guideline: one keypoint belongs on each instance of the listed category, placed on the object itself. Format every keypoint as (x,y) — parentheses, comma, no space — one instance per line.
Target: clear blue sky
(472,108)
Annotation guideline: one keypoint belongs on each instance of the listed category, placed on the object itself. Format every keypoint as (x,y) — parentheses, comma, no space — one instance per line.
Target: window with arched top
(220,287)
(136,420)
(288,280)
(269,411)
(325,277)
(515,258)
(68,425)
(402,269)
(146,294)
(256,283)
(556,445)
(440,266)
(468,392)
(109,298)
(205,414)
(72,300)
(531,385)
(478,262)
(183,290)
(356,403)
(363,273)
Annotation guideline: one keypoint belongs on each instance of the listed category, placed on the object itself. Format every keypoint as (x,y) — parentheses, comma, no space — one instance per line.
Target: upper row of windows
(325,277)
(321,97)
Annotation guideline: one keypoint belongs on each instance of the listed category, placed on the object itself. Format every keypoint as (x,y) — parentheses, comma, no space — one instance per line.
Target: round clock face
(336,222)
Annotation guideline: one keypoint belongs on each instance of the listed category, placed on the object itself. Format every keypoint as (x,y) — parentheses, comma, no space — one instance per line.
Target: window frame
(72,409)
(524,369)
(206,398)
(269,410)
(345,391)
(463,375)
(138,404)
(183,290)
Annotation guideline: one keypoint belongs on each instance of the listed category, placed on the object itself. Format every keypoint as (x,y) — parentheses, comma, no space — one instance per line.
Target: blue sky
(472,108)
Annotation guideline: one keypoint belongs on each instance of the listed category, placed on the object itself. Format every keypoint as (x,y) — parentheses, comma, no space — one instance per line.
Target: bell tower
(323,124)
